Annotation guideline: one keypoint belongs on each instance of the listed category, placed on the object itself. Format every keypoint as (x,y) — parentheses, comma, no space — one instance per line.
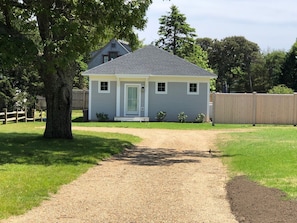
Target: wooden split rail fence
(19,115)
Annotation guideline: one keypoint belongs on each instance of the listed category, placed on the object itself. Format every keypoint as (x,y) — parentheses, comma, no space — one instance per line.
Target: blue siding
(177,100)
(98,55)
(103,102)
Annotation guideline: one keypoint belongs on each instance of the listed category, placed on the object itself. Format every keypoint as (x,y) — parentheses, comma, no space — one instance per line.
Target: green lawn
(267,155)
(32,167)
(77,121)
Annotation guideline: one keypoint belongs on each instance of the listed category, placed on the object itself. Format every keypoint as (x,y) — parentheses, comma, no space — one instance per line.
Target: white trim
(156,87)
(188,88)
(208,102)
(90,100)
(146,97)
(118,98)
(139,98)
(103,91)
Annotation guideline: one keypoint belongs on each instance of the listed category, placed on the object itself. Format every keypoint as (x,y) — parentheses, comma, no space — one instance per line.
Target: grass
(267,155)
(31,167)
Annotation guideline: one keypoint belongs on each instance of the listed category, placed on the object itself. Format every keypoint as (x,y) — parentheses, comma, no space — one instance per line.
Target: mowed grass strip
(31,167)
(267,155)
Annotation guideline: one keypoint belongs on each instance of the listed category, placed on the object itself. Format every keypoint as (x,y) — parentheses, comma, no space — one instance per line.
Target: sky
(272,24)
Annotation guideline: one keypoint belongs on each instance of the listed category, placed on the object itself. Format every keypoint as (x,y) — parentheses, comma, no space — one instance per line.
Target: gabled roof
(149,60)
(122,43)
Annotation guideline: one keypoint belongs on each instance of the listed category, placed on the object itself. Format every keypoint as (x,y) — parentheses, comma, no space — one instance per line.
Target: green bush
(161,116)
(200,118)
(102,117)
(182,117)
(281,89)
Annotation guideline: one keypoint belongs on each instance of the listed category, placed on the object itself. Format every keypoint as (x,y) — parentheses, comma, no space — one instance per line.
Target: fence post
(213,108)
(254,107)
(5,115)
(26,114)
(16,116)
(40,115)
(294,108)
(33,114)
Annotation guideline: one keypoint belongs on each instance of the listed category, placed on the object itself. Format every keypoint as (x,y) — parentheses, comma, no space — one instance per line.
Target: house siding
(98,57)
(177,100)
(103,102)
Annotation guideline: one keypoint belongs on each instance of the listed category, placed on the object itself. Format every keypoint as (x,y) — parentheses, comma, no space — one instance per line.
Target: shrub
(281,89)
(200,118)
(161,116)
(102,117)
(182,117)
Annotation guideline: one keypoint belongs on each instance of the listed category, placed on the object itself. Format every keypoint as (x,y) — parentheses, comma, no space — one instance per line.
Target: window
(105,58)
(104,87)
(113,55)
(193,88)
(161,88)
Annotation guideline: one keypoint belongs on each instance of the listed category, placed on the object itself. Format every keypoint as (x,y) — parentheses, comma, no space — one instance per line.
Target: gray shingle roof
(149,60)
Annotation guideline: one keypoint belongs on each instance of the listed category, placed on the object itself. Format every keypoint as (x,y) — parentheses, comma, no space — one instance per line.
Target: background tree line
(238,62)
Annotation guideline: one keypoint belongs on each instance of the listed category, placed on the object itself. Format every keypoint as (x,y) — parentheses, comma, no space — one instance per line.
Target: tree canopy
(56,34)
(289,69)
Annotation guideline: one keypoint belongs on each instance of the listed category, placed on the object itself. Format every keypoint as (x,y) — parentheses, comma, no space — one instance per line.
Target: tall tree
(232,58)
(66,30)
(274,62)
(175,33)
(289,69)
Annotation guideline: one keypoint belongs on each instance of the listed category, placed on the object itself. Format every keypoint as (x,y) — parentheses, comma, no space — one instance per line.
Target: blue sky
(271,24)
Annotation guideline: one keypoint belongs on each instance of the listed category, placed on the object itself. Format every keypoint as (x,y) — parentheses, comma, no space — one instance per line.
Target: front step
(132,119)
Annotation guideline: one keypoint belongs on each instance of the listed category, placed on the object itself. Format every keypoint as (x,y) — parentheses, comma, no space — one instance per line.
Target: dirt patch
(253,203)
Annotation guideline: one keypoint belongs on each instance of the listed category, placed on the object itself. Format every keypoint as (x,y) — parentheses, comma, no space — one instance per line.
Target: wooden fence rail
(18,115)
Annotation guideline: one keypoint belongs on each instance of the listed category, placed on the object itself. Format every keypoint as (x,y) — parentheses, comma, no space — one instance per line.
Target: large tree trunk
(58,94)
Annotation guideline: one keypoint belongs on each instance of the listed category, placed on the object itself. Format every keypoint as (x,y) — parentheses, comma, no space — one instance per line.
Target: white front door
(132,99)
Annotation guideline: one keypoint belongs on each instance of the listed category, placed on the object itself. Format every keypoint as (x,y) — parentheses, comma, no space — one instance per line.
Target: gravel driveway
(168,177)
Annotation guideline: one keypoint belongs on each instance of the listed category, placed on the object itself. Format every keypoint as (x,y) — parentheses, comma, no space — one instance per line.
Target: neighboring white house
(138,85)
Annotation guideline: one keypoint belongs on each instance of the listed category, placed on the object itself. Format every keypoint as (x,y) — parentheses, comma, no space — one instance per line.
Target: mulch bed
(253,203)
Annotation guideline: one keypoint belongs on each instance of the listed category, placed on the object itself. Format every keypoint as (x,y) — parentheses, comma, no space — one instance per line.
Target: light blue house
(136,86)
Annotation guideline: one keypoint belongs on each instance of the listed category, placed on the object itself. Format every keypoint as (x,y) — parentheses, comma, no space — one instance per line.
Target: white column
(118,98)
(146,98)
(90,100)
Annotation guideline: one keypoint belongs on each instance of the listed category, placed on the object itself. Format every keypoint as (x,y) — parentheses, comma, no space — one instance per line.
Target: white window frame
(103,91)
(188,88)
(157,89)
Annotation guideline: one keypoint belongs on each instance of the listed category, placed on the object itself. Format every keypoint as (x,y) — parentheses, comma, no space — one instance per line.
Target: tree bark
(58,93)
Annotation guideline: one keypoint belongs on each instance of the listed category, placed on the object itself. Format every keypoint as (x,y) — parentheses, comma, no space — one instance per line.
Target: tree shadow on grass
(25,148)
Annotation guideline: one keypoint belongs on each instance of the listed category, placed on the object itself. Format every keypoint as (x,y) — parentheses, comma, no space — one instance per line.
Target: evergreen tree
(175,33)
